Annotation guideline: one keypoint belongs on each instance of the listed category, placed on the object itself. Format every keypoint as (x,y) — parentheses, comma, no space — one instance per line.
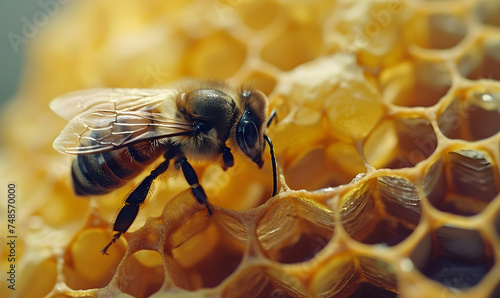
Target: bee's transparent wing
(104,130)
(74,103)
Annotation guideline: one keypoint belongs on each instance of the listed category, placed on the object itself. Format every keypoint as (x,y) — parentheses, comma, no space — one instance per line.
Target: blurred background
(12,57)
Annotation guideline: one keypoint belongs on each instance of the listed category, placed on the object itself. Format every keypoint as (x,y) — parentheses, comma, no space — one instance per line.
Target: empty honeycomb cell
(347,159)
(462,184)
(483,61)
(411,84)
(485,114)
(473,174)
(261,81)
(381,210)
(377,272)
(315,175)
(260,281)
(62,208)
(296,45)
(216,56)
(190,245)
(437,30)
(402,142)
(337,277)
(381,145)
(294,230)
(352,277)
(487,13)
(80,268)
(220,184)
(267,11)
(416,141)
(352,114)
(313,171)
(378,36)
(36,286)
(294,159)
(150,278)
(474,116)
(456,257)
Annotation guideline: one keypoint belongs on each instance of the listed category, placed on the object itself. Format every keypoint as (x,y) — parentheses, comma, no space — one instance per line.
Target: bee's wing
(74,103)
(103,130)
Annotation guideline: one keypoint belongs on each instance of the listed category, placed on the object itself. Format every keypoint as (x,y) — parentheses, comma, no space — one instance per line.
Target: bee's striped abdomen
(101,173)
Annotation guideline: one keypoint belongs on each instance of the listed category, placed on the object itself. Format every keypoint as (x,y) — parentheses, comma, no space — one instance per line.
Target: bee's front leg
(192,179)
(228,158)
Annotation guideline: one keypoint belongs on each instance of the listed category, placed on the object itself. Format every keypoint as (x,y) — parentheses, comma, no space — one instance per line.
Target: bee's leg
(192,179)
(228,158)
(129,211)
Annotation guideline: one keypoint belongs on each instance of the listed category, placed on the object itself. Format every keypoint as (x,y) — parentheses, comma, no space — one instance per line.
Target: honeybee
(116,133)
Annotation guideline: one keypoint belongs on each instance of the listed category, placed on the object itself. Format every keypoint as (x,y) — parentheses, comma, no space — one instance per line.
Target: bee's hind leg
(129,211)
(192,179)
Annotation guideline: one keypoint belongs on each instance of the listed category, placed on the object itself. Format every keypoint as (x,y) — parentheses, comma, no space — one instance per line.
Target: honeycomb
(386,139)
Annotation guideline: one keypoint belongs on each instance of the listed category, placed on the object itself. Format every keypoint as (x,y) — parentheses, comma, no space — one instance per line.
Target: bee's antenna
(273,161)
(271,118)
(271,149)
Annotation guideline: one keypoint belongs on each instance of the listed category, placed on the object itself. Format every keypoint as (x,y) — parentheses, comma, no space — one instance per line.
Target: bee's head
(251,126)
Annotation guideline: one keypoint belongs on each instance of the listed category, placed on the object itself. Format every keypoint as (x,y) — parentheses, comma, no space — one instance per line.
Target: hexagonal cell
(401,143)
(472,116)
(482,61)
(142,274)
(261,81)
(353,110)
(335,277)
(381,210)
(473,174)
(455,257)
(40,272)
(487,12)
(262,281)
(294,230)
(350,276)
(314,171)
(437,30)
(85,267)
(415,84)
(462,183)
(266,10)
(217,56)
(294,46)
(201,253)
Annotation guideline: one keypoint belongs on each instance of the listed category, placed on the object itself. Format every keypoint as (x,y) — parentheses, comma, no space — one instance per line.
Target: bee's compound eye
(250,134)
(247,134)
